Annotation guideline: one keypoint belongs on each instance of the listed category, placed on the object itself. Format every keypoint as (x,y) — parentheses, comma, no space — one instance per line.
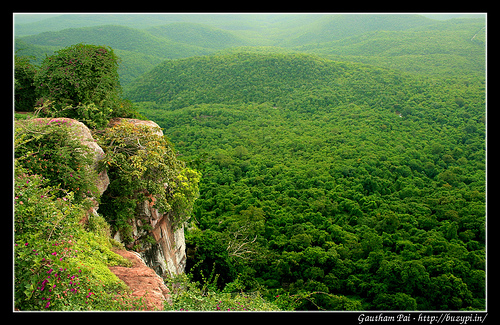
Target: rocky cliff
(167,255)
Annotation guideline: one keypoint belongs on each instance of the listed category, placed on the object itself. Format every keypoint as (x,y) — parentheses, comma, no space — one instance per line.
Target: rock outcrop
(82,132)
(142,280)
(167,256)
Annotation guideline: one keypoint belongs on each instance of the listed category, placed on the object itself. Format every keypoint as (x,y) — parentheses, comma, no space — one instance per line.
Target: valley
(342,157)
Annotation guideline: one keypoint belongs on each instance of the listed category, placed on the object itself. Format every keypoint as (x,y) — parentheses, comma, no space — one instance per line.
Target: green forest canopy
(362,183)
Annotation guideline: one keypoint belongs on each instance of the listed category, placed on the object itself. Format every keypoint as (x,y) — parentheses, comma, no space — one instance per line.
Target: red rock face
(142,280)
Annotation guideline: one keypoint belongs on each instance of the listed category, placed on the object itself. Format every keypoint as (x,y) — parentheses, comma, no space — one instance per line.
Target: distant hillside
(411,43)
(292,81)
(335,27)
(118,37)
(31,25)
(197,35)
(139,50)
(445,48)
(255,77)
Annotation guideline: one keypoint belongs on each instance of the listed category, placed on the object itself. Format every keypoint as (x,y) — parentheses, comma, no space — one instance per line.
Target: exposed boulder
(118,120)
(142,280)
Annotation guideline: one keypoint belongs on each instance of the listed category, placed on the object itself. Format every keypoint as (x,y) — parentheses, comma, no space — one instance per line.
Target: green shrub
(57,264)
(189,296)
(50,149)
(142,165)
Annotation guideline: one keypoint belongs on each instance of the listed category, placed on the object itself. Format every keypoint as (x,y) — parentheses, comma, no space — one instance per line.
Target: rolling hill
(410,43)
(447,48)
(139,50)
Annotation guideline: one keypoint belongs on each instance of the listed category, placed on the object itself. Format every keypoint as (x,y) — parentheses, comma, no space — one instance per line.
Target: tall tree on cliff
(81,82)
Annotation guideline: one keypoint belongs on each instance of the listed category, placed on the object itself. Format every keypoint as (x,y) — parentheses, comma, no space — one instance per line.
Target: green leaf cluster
(50,148)
(76,80)
(79,82)
(192,296)
(24,90)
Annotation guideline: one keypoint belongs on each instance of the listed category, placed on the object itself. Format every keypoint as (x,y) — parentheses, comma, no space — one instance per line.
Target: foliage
(363,188)
(191,296)
(24,89)
(58,265)
(49,148)
(82,82)
(142,166)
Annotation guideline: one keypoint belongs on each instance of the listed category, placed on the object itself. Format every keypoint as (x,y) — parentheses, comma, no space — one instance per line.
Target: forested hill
(295,81)
(339,185)
(239,77)
(410,43)
(139,50)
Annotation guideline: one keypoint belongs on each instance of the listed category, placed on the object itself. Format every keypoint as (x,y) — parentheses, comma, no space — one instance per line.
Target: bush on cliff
(79,82)
(49,149)
(142,165)
(58,265)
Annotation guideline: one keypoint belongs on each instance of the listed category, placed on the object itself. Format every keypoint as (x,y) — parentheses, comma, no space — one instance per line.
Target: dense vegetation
(59,264)
(139,163)
(339,171)
(62,248)
(353,186)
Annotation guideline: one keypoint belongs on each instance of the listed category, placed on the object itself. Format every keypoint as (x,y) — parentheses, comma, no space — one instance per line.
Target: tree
(243,231)
(80,82)
(24,89)
(449,292)
(396,301)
